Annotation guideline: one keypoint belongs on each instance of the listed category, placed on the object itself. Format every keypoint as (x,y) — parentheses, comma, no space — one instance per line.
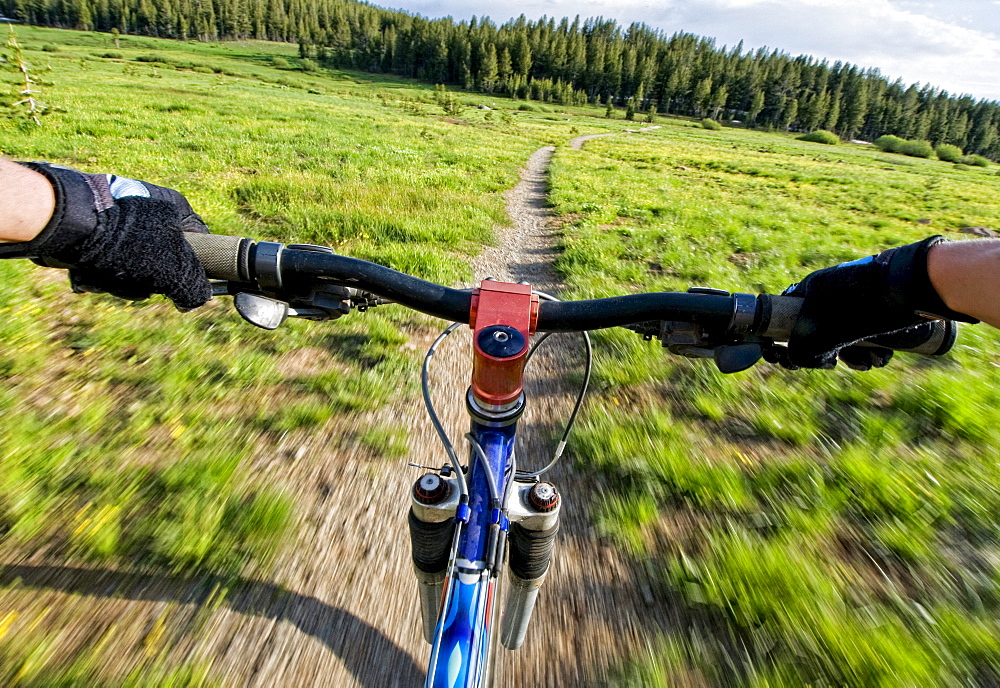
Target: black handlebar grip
(933,338)
(784,312)
(223,257)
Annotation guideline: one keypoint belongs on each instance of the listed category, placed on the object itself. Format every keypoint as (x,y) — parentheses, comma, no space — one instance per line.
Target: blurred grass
(133,437)
(815,527)
(129,429)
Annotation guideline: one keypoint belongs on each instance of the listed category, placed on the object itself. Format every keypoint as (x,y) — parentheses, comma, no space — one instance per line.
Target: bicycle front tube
(502,318)
(460,655)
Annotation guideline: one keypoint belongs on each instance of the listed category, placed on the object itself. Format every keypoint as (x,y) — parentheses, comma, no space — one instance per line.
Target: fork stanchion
(432,530)
(534,513)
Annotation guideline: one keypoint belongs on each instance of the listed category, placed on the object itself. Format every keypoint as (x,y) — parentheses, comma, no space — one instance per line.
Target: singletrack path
(339,609)
(577,143)
(595,608)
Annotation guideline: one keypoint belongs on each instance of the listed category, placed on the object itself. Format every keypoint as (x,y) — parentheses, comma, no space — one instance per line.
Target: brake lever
(731,355)
(735,358)
(269,308)
(261,311)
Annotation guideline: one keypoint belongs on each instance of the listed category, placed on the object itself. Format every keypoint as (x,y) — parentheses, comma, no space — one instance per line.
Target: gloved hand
(842,305)
(118,235)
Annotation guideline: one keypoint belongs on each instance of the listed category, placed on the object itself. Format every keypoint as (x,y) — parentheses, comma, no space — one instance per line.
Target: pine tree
(640,92)
(718,100)
(563,61)
(789,114)
(521,56)
(756,106)
(488,70)
(855,108)
(85,19)
(464,57)
(833,112)
(277,20)
(922,126)
(702,96)
(983,132)
(504,68)
(146,17)
(29,106)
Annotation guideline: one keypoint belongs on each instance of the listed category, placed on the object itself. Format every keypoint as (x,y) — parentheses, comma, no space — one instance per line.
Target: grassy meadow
(134,437)
(813,528)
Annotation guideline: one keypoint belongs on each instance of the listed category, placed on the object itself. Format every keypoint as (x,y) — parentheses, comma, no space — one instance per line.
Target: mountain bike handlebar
(271,267)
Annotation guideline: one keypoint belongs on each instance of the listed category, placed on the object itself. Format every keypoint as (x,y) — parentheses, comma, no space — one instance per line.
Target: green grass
(110,401)
(134,437)
(814,528)
(818,527)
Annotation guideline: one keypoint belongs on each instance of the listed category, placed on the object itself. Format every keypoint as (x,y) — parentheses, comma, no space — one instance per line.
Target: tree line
(566,62)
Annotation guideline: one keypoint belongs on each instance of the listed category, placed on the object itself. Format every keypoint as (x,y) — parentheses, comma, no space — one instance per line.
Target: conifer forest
(566,62)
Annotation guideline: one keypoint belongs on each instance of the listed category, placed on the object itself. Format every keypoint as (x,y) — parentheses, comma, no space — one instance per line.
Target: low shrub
(917,149)
(948,152)
(527,107)
(821,136)
(280,63)
(109,56)
(977,160)
(307,65)
(50,48)
(889,143)
(709,123)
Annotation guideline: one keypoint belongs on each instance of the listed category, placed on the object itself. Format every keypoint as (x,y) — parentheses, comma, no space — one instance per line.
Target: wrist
(908,281)
(73,218)
(26,203)
(965,274)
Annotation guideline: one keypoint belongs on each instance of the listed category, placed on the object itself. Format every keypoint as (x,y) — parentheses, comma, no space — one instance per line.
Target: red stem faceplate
(498,381)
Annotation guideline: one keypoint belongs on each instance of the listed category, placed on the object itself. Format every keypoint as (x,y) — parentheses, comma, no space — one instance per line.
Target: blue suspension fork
(460,652)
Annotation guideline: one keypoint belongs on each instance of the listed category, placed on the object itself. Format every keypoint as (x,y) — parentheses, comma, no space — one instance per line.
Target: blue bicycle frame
(460,652)
(482,503)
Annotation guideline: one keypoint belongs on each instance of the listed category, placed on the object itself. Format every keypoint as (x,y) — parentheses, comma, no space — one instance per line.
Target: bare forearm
(966,275)
(26,202)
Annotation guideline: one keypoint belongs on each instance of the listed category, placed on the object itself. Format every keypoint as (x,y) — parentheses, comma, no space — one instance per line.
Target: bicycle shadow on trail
(353,640)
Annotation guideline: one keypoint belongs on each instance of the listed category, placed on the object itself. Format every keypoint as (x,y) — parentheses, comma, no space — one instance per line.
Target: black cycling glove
(118,235)
(876,295)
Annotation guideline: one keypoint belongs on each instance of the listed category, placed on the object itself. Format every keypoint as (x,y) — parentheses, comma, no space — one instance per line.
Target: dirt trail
(577,143)
(595,608)
(340,607)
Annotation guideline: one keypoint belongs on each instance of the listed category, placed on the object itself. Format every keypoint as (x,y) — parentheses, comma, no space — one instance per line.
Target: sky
(950,44)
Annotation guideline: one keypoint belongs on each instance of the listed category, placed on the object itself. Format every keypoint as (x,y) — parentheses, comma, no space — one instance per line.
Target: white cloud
(954,46)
